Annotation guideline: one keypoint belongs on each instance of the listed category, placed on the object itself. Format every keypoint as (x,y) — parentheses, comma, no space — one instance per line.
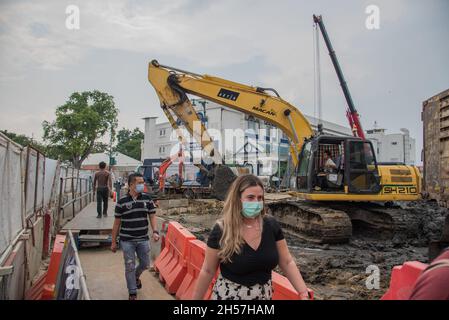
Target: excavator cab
(329,164)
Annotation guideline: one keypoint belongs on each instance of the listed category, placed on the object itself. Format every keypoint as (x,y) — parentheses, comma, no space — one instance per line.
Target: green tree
(128,142)
(84,119)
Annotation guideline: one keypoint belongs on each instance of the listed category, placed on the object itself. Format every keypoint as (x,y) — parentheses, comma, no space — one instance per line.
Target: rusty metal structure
(435,118)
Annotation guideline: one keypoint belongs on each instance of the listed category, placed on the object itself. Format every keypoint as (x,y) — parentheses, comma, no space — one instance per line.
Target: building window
(162,132)
(394,143)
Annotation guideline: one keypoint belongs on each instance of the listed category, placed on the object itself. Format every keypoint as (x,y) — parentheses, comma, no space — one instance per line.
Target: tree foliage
(80,123)
(129,142)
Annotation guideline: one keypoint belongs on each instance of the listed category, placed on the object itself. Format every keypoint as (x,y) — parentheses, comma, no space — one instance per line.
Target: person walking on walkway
(104,189)
(131,225)
(248,245)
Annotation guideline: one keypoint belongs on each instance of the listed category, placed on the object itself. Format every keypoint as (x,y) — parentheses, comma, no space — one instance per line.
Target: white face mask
(140,187)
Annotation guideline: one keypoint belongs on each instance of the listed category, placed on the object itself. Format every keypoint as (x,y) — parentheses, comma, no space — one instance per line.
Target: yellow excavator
(324,204)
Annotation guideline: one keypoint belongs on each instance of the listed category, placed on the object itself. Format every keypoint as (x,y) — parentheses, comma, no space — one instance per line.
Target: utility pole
(112,160)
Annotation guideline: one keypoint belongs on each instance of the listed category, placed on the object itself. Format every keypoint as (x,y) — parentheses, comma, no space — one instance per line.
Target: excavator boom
(172,86)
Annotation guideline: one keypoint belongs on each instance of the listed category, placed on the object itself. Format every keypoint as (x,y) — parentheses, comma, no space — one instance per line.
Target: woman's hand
(304,295)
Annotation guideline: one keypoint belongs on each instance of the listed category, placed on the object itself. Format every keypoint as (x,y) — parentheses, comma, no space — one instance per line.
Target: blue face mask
(251,209)
(139,187)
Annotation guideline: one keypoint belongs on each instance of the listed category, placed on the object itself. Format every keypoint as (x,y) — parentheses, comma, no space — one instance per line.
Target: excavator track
(385,222)
(335,222)
(311,222)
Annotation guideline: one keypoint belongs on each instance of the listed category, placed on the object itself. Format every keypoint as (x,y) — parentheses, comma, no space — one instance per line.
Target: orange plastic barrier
(53,268)
(283,289)
(196,251)
(173,267)
(163,255)
(403,279)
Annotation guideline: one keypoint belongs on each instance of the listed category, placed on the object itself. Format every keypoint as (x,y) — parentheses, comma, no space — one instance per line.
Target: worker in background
(131,225)
(433,283)
(102,178)
(248,245)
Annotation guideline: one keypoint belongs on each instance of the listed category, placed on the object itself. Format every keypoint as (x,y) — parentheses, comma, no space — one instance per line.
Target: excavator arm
(172,86)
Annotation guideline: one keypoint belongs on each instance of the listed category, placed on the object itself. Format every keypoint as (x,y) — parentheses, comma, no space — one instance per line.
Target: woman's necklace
(251,226)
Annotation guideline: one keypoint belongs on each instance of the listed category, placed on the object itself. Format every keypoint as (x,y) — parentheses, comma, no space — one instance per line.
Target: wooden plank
(87,219)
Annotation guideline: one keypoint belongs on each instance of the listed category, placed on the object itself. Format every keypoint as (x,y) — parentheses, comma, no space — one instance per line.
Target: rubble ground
(339,271)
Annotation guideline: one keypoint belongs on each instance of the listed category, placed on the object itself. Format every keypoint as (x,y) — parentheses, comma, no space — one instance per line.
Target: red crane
(351,112)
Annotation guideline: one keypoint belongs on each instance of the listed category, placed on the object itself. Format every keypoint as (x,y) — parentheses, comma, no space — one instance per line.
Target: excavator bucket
(222,179)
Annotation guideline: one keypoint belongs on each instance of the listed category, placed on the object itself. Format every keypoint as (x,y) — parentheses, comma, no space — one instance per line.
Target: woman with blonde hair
(247,245)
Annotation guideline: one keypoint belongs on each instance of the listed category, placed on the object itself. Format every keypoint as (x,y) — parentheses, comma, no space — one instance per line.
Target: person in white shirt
(329,164)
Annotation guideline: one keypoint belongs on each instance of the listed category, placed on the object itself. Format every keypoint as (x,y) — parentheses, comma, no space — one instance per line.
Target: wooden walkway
(87,219)
(105,277)
(105,270)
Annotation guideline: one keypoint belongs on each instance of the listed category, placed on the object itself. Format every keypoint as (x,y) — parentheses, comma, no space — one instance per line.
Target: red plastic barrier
(164,256)
(403,279)
(196,251)
(283,289)
(53,268)
(173,267)
(46,240)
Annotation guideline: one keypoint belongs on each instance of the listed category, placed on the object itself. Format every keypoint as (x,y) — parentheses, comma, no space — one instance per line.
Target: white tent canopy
(122,160)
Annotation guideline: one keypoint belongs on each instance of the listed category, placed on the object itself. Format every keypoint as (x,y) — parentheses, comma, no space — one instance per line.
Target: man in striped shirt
(131,225)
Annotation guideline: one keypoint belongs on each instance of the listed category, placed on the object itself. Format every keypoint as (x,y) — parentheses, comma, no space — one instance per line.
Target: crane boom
(351,112)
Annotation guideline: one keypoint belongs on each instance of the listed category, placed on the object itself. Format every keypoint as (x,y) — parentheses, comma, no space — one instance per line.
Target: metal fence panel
(10,192)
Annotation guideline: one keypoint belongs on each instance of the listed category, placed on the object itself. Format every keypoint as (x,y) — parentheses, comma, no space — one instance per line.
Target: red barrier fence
(172,267)
(48,292)
(403,279)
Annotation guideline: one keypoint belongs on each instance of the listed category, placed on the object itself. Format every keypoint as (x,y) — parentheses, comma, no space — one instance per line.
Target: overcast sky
(390,71)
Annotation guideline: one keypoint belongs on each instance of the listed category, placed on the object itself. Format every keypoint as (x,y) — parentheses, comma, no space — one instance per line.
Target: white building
(395,147)
(263,144)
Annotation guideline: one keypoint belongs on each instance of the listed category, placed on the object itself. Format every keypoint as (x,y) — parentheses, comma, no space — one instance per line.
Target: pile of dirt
(431,220)
(342,271)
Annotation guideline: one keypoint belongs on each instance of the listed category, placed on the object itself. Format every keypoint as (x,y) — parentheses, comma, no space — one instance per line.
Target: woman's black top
(251,266)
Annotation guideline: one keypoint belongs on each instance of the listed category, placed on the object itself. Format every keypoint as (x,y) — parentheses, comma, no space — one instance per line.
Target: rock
(378,258)
(335,263)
